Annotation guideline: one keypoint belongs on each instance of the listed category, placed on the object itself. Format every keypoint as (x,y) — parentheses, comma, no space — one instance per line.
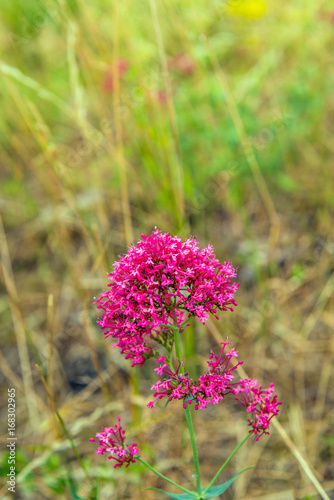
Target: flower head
(209,388)
(259,402)
(159,283)
(111,440)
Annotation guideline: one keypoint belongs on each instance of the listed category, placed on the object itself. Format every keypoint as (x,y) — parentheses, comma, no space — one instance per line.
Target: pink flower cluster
(209,388)
(214,386)
(111,440)
(259,402)
(158,284)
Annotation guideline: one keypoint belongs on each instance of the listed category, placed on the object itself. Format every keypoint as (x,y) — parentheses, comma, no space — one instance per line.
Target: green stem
(194,448)
(164,477)
(188,417)
(225,463)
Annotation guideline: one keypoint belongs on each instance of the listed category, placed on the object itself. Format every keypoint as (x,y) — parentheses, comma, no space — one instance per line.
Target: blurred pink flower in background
(161,96)
(108,83)
(182,63)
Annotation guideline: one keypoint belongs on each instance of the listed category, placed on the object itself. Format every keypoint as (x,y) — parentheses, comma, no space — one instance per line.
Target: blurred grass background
(207,118)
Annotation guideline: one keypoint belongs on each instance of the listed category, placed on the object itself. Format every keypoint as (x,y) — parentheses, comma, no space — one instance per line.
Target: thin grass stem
(178,179)
(18,324)
(248,149)
(119,131)
(62,423)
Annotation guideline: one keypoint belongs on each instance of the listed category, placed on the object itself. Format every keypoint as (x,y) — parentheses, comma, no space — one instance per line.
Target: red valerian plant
(154,290)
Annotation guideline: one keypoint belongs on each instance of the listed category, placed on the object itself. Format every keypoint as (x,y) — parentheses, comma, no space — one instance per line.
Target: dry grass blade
(43,93)
(119,132)
(77,90)
(50,342)
(296,453)
(275,423)
(248,150)
(18,324)
(93,352)
(10,375)
(313,317)
(178,182)
(62,423)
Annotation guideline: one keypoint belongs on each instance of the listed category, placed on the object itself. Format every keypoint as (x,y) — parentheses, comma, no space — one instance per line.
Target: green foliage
(298,273)
(212,492)
(218,490)
(184,496)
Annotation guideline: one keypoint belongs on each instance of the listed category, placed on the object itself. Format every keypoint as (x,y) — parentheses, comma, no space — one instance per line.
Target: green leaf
(218,490)
(184,496)
(211,493)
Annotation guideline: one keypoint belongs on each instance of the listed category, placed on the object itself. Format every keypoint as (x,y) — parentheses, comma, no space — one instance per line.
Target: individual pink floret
(162,281)
(259,402)
(111,440)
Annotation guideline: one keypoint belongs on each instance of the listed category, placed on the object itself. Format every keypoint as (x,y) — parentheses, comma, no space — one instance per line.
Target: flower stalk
(225,463)
(162,476)
(190,425)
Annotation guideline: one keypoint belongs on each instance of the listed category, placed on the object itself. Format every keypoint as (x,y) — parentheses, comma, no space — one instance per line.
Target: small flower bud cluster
(111,440)
(209,388)
(259,402)
(214,386)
